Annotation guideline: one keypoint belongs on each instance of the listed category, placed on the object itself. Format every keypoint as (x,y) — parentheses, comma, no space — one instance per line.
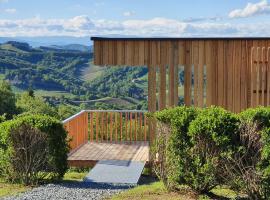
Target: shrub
(56,143)
(190,145)
(203,148)
(30,152)
(31,105)
(249,169)
(2,118)
(7,100)
(241,168)
(213,135)
(172,144)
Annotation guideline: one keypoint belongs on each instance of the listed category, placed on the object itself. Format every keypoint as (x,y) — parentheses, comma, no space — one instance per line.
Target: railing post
(90,126)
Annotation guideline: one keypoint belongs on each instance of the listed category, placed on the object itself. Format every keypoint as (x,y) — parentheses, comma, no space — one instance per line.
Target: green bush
(213,135)
(172,148)
(256,157)
(29,155)
(192,150)
(2,118)
(260,115)
(7,100)
(56,141)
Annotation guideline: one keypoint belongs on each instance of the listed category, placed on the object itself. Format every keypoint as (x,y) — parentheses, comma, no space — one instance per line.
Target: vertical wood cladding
(227,62)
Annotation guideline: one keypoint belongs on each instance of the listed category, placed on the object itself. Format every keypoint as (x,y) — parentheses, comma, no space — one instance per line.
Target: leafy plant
(191,143)
(56,143)
(249,169)
(30,153)
(28,104)
(213,135)
(7,101)
(173,143)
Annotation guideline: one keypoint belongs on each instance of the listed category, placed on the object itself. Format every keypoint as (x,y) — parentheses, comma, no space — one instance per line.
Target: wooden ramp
(116,172)
(90,153)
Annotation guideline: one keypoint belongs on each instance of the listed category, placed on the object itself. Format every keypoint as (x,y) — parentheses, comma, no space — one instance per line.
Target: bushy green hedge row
(56,141)
(202,144)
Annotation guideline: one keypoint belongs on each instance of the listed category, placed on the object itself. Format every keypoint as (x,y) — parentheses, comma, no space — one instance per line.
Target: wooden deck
(90,153)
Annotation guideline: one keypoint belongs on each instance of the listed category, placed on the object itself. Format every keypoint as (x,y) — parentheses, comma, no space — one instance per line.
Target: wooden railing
(77,128)
(260,76)
(107,126)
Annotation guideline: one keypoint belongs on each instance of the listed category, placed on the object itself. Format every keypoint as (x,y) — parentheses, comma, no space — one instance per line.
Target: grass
(91,72)
(74,176)
(11,189)
(154,191)
(157,191)
(57,94)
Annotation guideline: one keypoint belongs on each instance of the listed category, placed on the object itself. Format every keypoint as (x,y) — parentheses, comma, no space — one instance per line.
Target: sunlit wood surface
(89,154)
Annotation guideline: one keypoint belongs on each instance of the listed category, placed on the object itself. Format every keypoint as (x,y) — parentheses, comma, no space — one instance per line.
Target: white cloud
(4,1)
(100,3)
(251,9)
(84,26)
(200,19)
(10,10)
(128,13)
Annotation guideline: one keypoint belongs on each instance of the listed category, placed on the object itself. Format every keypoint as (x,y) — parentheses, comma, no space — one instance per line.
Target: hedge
(56,141)
(172,148)
(198,147)
(213,135)
(261,117)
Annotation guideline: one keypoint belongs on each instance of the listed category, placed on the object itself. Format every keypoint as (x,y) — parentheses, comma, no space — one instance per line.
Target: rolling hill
(66,73)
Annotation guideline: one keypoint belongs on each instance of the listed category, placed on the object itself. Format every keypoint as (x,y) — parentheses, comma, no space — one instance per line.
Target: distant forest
(66,75)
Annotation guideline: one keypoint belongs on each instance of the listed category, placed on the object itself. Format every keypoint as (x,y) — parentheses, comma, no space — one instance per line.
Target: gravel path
(79,190)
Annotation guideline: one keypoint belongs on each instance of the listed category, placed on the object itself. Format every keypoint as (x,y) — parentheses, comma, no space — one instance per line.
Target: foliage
(118,82)
(34,105)
(7,101)
(56,142)
(209,147)
(194,146)
(30,153)
(213,135)
(40,68)
(240,169)
(173,147)
(2,118)
(65,111)
(249,169)
(53,69)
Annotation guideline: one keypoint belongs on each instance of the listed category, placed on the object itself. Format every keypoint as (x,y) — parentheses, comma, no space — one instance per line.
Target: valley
(66,75)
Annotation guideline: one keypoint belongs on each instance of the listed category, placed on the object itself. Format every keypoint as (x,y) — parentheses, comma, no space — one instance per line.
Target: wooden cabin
(230,72)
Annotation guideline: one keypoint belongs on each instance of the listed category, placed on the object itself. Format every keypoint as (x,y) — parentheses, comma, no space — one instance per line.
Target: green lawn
(11,189)
(154,191)
(157,191)
(74,176)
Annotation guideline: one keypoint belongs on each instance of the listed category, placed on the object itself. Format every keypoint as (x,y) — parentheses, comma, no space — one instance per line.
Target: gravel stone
(78,190)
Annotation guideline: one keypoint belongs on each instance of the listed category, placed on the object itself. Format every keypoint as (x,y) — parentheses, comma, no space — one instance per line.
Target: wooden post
(151,97)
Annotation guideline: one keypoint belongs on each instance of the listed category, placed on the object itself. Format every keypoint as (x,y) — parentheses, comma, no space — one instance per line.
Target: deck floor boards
(90,153)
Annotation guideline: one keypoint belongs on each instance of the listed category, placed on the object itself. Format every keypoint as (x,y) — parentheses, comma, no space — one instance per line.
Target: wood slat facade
(217,71)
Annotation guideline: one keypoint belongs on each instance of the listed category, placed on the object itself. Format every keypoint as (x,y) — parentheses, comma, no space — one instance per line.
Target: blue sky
(174,18)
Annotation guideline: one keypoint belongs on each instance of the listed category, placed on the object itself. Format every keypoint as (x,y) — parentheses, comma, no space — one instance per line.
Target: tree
(65,111)
(7,100)
(35,105)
